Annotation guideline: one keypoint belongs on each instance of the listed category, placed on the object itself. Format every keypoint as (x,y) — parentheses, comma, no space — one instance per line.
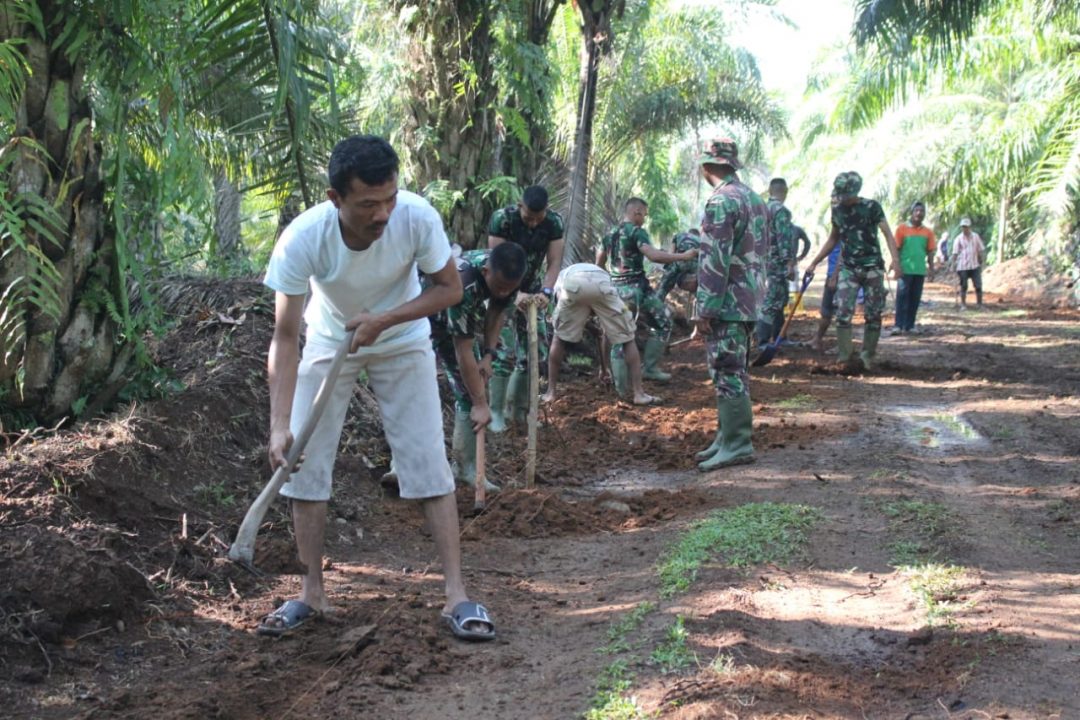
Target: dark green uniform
(676,272)
(508,225)
(782,250)
(465,319)
(731,280)
(861,264)
(623,245)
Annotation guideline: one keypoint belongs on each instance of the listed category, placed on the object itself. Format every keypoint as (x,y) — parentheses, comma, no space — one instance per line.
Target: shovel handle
(795,305)
(243,548)
(481,474)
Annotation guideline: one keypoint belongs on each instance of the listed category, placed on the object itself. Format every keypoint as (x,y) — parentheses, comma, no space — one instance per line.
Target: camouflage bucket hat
(721,151)
(847,184)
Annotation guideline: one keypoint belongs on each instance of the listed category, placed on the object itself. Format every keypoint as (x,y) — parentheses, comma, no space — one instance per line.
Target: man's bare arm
(554,262)
(663,257)
(281,365)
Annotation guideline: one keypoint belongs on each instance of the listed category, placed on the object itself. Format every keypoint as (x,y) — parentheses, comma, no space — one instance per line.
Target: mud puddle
(936,428)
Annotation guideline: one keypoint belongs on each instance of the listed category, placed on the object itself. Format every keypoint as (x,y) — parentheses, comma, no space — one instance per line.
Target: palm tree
(655,86)
(67,167)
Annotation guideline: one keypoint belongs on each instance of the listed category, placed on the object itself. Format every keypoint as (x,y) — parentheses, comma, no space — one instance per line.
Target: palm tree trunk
(65,349)
(595,43)
(451,129)
(226,216)
(1003,224)
(577,207)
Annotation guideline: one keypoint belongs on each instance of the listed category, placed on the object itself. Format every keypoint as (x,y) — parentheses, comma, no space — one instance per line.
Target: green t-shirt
(914,244)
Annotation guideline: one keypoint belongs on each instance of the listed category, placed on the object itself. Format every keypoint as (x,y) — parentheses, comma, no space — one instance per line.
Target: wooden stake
(481,462)
(534,395)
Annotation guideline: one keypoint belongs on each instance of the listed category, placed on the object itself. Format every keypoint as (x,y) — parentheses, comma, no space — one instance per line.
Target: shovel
(769,352)
(243,548)
(481,474)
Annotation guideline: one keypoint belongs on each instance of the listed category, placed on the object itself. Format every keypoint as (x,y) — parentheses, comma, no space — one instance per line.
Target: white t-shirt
(347,282)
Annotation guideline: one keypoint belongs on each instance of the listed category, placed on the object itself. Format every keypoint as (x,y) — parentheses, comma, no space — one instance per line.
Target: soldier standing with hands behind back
(731,286)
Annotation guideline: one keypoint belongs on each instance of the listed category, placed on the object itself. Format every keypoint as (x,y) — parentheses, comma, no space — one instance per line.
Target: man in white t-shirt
(359,252)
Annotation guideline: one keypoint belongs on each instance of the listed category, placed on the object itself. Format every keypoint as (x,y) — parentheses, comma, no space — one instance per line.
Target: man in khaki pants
(583,290)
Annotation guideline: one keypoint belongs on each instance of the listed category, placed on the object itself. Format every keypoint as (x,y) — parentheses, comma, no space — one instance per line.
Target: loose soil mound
(542,513)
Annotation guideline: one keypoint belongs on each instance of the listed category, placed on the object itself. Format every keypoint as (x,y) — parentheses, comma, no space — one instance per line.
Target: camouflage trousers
(776,297)
(727,349)
(513,350)
(444,350)
(872,282)
(647,306)
(673,276)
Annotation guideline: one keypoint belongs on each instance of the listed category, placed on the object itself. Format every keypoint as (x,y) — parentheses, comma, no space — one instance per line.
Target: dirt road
(906,546)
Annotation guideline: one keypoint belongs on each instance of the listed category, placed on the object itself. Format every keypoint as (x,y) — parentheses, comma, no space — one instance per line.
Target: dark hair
(777,182)
(694,231)
(366,157)
(508,259)
(535,198)
(918,203)
(635,201)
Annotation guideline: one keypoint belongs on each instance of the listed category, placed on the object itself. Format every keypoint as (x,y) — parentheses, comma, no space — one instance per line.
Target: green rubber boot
(736,428)
(517,395)
(718,440)
(843,344)
(497,397)
(620,375)
(464,445)
(654,350)
(869,346)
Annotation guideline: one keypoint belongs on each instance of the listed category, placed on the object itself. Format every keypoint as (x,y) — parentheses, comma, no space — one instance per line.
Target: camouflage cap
(721,151)
(847,184)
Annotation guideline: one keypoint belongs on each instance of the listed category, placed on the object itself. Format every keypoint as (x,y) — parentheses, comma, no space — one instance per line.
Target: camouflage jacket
(734,242)
(857,227)
(508,225)
(686,241)
(467,317)
(623,246)
(782,240)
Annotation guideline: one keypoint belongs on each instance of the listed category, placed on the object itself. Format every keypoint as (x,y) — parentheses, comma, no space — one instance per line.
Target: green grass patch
(610,701)
(798,402)
(1002,432)
(580,361)
(1013,313)
(723,664)
(214,494)
(921,529)
(674,654)
(619,632)
(752,534)
(937,588)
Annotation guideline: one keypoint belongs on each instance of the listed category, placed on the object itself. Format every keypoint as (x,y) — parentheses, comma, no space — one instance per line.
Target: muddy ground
(958,453)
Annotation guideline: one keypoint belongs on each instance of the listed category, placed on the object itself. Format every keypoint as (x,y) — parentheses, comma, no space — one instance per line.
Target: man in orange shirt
(916,244)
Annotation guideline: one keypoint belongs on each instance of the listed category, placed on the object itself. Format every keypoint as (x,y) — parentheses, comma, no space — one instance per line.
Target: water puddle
(630,481)
(936,429)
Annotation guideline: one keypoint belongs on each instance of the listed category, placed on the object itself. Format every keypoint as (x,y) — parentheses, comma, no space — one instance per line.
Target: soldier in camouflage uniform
(855,224)
(628,245)
(683,273)
(539,231)
(489,278)
(731,288)
(780,263)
